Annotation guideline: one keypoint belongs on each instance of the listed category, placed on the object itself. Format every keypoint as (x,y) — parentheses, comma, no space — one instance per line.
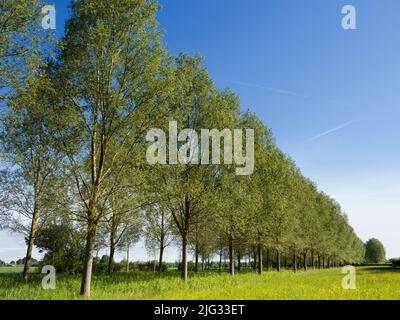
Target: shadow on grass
(382,269)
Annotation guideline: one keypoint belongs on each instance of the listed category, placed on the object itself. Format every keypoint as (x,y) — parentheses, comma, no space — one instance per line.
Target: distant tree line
(75,180)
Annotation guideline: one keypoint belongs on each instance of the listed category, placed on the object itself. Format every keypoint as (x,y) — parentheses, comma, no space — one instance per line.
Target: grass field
(372,283)
(17,269)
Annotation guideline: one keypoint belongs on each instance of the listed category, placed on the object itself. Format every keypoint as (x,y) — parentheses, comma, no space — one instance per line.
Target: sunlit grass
(372,283)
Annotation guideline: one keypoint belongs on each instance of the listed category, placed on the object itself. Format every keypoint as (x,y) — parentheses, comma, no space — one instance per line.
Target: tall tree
(158,230)
(30,158)
(111,79)
(374,251)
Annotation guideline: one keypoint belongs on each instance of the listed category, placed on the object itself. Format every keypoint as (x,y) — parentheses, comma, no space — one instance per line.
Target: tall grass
(372,283)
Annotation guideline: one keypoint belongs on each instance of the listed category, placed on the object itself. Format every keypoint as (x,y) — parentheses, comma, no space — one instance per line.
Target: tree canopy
(74,141)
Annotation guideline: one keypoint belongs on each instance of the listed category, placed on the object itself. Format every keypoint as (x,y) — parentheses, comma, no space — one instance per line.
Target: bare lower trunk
(184,273)
(31,242)
(239,262)
(254,260)
(294,262)
(231,258)
(88,264)
(160,259)
(111,259)
(278,261)
(267,260)
(260,258)
(196,262)
(305,261)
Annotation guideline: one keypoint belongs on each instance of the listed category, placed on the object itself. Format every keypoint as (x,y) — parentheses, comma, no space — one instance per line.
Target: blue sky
(331,96)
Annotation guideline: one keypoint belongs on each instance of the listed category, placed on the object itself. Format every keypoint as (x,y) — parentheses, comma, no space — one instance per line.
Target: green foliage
(73,135)
(374,251)
(64,246)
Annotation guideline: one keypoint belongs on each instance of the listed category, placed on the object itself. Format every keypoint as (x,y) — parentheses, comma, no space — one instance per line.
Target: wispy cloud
(330,131)
(284,92)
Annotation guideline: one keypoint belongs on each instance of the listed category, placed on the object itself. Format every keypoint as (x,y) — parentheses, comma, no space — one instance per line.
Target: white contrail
(283,91)
(325,133)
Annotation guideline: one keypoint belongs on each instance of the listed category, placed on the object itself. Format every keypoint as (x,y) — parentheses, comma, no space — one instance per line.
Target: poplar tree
(111,78)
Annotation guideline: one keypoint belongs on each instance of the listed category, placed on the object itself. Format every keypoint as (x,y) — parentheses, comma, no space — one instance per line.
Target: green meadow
(372,283)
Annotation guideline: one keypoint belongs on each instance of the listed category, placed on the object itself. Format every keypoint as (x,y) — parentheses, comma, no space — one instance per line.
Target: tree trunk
(196,262)
(319,262)
(111,258)
(231,258)
(305,260)
(323,262)
(239,262)
(184,273)
(160,259)
(31,241)
(260,259)
(267,262)
(295,262)
(88,264)
(278,261)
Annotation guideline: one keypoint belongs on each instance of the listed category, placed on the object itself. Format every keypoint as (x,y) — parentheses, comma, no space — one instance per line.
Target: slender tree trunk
(111,258)
(260,259)
(160,259)
(285,263)
(196,252)
(268,262)
(278,261)
(305,260)
(329,263)
(319,262)
(88,264)
(184,274)
(231,257)
(196,262)
(31,242)
(239,262)
(295,262)
(323,262)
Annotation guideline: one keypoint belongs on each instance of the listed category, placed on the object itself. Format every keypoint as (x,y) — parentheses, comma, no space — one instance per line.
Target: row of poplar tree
(74,118)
